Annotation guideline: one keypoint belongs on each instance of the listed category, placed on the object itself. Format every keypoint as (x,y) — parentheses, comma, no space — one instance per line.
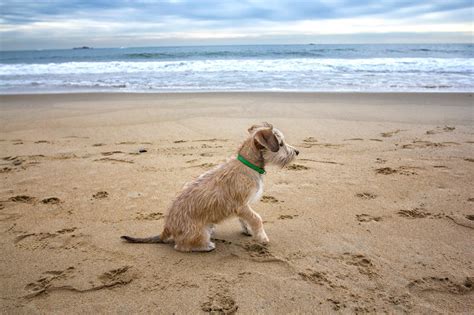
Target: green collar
(249,164)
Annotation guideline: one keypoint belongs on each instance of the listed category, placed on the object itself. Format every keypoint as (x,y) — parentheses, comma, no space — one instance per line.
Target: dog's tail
(153,239)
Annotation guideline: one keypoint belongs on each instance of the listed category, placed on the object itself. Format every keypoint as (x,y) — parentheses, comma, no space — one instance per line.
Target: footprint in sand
(419,144)
(206,154)
(442,285)
(51,200)
(22,199)
(366,195)
(363,263)
(257,250)
(402,170)
(439,130)
(150,216)
(222,241)
(297,167)
(18,163)
(337,305)
(287,216)
(414,213)
(6,170)
(60,280)
(389,134)
(386,171)
(114,277)
(45,283)
(61,239)
(100,195)
(317,277)
(269,199)
(220,301)
(110,153)
(367,218)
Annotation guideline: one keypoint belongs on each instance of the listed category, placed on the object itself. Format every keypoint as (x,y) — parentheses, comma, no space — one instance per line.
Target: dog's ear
(263,125)
(253,128)
(267,139)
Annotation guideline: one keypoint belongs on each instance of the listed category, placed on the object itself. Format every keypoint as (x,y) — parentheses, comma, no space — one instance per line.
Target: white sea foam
(247,65)
(305,74)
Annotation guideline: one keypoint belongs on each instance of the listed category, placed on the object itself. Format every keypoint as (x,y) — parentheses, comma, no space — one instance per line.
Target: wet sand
(376,214)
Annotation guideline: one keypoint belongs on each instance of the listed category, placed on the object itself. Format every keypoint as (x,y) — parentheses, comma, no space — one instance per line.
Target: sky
(43,24)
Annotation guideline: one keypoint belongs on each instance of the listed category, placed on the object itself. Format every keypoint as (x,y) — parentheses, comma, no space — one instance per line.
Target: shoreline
(237,92)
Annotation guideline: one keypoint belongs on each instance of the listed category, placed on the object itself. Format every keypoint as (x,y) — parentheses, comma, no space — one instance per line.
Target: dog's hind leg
(203,242)
(199,242)
(211,228)
(255,221)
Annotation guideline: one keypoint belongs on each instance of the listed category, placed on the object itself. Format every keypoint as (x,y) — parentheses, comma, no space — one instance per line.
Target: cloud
(62,23)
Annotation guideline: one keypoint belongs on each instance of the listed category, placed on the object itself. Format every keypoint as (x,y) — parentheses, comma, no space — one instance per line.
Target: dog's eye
(281,144)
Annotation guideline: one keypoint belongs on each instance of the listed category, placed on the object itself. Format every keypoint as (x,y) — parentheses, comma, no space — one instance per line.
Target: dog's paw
(211,246)
(246,232)
(264,241)
(262,238)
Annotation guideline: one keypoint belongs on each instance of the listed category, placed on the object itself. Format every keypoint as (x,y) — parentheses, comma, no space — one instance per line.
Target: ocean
(312,67)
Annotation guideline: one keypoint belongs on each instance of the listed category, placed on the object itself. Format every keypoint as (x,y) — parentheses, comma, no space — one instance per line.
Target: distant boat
(83,47)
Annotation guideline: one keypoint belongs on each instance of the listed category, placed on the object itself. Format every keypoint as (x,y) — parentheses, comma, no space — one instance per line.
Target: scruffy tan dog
(223,192)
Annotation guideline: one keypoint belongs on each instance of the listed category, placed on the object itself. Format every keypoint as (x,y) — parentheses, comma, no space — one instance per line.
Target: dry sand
(376,215)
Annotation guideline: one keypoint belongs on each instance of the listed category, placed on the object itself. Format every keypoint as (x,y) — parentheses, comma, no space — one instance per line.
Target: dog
(223,192)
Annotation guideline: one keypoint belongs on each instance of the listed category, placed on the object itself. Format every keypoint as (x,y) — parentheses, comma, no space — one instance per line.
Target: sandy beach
(376,215)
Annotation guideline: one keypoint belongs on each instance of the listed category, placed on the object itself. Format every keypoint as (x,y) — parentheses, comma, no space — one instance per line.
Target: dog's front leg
(245,228)
(255,222)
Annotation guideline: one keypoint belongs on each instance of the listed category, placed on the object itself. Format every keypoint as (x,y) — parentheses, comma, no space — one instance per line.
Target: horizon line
(219,45)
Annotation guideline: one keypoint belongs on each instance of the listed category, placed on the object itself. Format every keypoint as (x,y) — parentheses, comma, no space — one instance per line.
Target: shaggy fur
(223,192)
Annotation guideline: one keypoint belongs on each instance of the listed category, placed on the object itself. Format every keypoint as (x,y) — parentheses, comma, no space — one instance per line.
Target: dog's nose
(297,152)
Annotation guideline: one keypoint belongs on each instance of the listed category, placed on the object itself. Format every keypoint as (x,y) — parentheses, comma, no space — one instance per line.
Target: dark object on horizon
(83,47)
(142,150)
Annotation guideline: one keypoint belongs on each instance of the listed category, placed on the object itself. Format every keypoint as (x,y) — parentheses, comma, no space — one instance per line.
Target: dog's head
(272,144)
